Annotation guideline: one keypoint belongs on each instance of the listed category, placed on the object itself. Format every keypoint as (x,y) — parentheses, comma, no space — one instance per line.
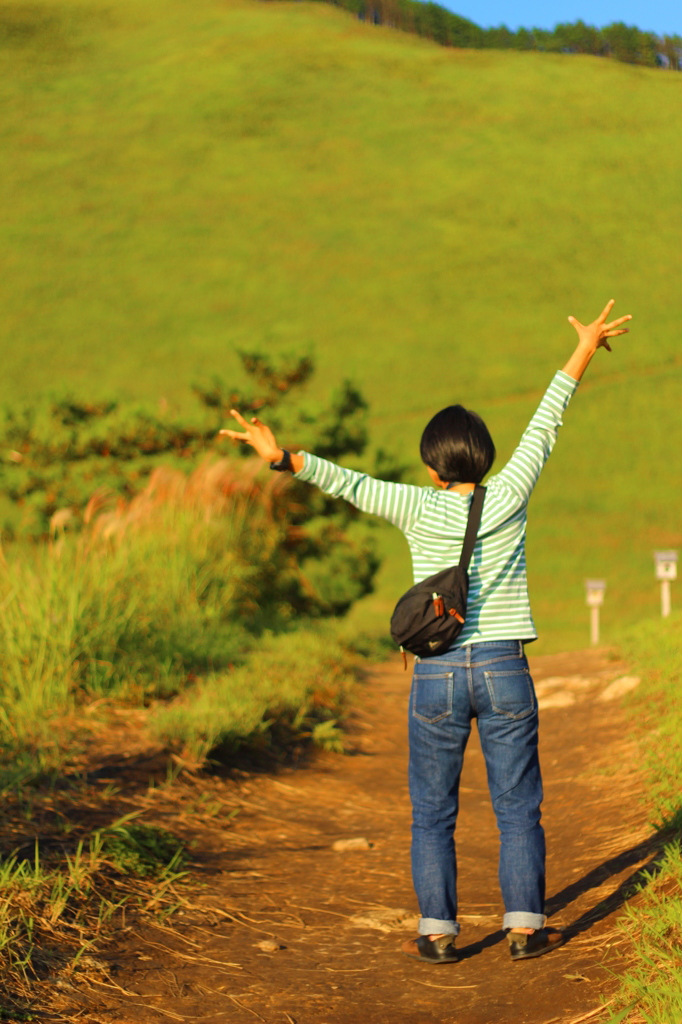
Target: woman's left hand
(592,337)
(258,435)
(596,334)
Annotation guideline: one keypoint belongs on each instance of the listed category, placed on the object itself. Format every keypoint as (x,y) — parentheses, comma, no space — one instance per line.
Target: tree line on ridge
(620,41)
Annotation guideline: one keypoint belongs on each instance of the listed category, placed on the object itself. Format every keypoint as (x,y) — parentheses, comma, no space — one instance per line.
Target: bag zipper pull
(455,614)
(402,651)
(438,605)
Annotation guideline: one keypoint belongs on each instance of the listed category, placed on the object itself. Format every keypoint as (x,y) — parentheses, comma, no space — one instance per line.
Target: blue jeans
(490,682)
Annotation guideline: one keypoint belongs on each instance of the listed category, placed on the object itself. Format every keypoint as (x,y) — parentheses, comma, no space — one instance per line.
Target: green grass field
(187,179)
(650,990)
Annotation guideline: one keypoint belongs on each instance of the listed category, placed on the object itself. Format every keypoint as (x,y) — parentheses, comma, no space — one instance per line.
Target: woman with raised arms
(484,675)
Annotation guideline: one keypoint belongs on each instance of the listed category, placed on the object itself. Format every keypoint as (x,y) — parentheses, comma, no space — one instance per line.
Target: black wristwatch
(284,463)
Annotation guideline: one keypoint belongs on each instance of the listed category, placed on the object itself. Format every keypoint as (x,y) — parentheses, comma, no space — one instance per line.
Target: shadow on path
(652,847)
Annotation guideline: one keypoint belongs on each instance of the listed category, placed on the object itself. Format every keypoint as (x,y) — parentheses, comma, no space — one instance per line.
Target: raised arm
(399,503)
(521,473)
(523,469)
(262,439)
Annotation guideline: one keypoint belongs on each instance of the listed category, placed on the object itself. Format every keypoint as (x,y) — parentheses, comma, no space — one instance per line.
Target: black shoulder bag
(430,615)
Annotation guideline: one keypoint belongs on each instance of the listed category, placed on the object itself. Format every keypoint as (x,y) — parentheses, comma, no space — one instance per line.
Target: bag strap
(473,523)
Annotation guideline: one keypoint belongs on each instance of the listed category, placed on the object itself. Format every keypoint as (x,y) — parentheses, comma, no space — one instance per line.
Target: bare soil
(287,930)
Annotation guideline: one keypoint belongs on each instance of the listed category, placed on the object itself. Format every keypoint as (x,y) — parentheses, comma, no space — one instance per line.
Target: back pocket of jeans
(431,694)
(511,693)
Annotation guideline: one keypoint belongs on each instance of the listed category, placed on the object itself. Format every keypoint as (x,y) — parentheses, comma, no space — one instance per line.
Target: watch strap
(284,464)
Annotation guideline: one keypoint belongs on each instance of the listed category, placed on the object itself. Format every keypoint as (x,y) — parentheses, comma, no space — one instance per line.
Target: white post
(665,563)
(594,625)
(594,593)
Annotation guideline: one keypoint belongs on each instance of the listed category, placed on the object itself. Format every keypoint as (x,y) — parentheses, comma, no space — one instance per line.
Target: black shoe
(432,951)
(525,947)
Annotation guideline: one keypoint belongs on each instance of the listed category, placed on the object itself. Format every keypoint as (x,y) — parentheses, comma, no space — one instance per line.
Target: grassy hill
(188,179)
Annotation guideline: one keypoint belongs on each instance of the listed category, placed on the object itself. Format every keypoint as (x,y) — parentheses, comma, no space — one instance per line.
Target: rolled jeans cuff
(432,926)
(521,919)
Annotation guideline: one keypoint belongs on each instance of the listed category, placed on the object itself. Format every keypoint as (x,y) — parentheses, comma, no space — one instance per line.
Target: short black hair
(457,445)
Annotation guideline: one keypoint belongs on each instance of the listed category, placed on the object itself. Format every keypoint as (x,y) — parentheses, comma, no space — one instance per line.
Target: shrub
(55,453)
(291,688)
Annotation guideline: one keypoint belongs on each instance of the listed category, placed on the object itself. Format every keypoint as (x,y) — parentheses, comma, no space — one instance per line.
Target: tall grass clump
(651,990)
(155,593)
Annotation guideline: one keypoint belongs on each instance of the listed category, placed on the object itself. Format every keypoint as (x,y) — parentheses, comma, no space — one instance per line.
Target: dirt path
(302,934)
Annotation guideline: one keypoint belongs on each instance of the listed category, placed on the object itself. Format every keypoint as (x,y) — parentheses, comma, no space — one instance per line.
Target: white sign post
(666,570)
(594,592)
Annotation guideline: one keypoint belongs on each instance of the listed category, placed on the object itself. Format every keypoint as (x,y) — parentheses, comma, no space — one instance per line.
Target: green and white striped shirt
(434,522)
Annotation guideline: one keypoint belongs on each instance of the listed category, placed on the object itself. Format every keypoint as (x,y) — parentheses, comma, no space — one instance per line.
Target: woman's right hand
(257,434)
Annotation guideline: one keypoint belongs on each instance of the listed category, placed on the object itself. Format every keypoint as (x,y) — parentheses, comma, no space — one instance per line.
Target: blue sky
(657,15)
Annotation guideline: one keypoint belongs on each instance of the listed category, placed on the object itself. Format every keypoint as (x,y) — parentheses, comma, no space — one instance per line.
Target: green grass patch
(143,851)
(654,650)
(62,900)
(292,689)
(651,989)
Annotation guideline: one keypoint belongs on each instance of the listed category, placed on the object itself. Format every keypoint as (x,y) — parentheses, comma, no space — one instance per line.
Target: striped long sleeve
(521,473)
(399,503)
(434,522)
